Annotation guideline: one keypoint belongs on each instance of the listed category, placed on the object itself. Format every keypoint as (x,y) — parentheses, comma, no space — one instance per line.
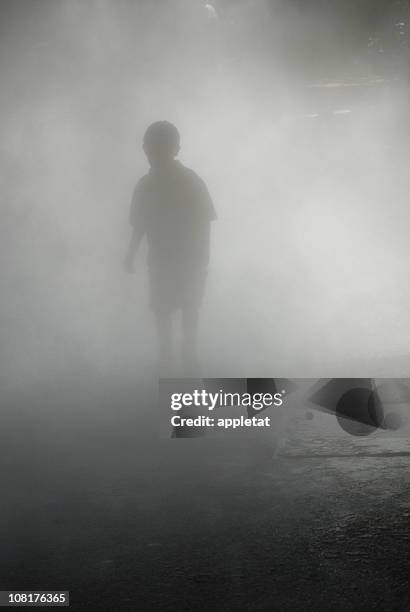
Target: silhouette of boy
(171,206)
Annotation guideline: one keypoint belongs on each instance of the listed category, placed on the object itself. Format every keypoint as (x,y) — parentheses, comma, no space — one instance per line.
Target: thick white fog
(303,144)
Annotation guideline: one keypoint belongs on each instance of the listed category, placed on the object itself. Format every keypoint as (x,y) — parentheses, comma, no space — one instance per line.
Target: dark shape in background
(354,403)
(360,404)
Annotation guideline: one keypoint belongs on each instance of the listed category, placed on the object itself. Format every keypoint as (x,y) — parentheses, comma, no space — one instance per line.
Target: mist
(295,114)
(300,137)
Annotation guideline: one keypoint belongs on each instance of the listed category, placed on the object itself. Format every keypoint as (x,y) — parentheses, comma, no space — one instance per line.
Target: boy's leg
(164,331)
(190,341)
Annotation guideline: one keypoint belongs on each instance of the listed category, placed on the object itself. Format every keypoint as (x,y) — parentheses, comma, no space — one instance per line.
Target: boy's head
(161,142)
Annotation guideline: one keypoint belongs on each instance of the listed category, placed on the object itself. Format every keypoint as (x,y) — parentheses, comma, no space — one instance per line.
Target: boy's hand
(129,264)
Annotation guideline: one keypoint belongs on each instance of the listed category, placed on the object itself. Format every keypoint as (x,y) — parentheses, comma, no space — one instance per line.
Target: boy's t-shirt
(172,206)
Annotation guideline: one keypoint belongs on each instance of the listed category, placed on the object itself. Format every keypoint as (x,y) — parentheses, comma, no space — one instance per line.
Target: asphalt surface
(93,502)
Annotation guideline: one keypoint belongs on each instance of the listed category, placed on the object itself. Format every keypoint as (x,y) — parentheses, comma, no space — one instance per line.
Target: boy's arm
(138,231)
(129,261)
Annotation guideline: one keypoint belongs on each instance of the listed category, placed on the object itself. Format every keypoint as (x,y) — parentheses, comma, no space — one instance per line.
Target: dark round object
(309,415)
(359,412)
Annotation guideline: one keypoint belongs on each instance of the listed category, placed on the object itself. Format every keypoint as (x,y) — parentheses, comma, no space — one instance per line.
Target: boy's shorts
(172,288)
